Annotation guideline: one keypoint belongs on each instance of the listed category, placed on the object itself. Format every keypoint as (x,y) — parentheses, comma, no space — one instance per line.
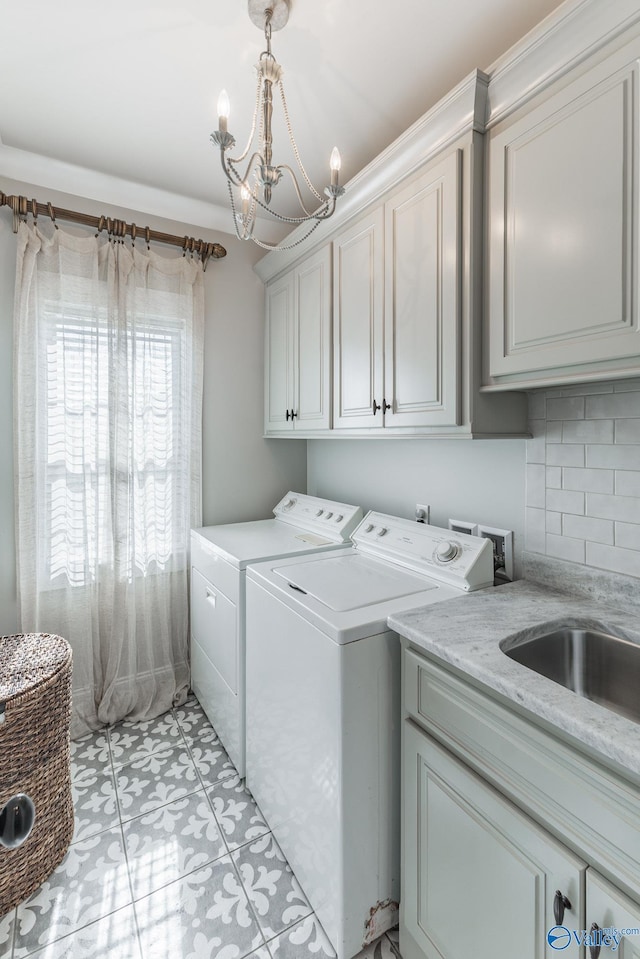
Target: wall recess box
(502,548)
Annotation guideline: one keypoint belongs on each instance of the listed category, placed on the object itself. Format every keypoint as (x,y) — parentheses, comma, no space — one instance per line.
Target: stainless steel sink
(594,664)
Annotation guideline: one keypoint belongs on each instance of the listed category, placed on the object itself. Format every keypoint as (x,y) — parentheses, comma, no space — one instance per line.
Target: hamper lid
(28,659)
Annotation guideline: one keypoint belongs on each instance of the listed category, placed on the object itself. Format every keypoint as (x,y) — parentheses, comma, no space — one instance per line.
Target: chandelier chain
(295,145)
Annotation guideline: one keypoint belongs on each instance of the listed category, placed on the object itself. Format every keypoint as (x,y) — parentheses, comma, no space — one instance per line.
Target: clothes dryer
(220,556)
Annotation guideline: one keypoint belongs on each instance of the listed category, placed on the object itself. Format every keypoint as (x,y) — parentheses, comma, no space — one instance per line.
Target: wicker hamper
(35,707)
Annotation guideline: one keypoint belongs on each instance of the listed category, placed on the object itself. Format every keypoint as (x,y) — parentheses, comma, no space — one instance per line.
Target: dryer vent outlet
(502,540)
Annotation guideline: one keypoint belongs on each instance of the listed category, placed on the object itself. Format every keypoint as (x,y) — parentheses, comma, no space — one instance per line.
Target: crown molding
(574,31)
(461,111)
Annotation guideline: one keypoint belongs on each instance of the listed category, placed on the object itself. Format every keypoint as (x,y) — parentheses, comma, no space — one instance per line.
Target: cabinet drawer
(588,805)
(214,625)
(214,568)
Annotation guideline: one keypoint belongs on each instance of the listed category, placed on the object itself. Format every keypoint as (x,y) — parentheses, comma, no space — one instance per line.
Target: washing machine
(220,556)
(323,708)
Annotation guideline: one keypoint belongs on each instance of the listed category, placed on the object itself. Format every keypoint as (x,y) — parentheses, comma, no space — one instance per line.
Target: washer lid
(350,582)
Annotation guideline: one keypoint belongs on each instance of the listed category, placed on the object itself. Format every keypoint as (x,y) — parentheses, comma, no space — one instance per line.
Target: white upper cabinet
(563,231)
(358,310)
(298,347)
(423,239)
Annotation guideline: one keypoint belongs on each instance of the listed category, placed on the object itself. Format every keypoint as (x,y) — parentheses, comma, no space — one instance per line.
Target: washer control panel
(334,520)
(456,559)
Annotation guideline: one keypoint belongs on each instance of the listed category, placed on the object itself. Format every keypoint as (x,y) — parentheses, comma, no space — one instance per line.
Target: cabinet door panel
(611,910)
(358,323)
(479,878)
(312,367)
(564,220)
(279,354)
(422,321)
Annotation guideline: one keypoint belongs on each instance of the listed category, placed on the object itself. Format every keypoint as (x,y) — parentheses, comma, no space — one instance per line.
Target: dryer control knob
(339,518)
(381,531)
(319,512)
(369,528)
(328,515)
(446,551)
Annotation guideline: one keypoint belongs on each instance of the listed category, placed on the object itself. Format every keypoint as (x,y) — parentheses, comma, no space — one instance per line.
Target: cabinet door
(358,265)
(564,226)
(478,877)
(422,300)
(616,917)
(312,358)
(279,345)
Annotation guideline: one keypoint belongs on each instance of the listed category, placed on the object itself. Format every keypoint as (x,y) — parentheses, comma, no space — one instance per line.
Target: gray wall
(243,474)
(583,475)
(481,480)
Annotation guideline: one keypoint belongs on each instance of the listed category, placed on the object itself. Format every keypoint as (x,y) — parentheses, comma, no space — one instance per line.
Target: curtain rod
(22,207)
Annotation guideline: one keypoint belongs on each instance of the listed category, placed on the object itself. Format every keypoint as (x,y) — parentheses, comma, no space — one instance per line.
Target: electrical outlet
(502,540)
(423,513)
(462,526)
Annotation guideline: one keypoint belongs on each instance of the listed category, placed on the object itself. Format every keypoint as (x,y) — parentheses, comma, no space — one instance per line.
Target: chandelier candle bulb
(335,164)
(223,111)
(246,196)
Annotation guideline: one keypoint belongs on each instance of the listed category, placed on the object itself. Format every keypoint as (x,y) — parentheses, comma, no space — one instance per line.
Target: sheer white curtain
(108,395)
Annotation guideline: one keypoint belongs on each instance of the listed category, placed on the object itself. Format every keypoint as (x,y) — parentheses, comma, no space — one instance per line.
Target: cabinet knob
(594,951)
(287,415)
(376,407)
(385,406)
(293,415)
(560,903)
(290,415)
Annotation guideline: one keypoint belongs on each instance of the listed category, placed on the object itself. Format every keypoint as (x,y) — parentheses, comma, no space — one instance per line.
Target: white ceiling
(128,90)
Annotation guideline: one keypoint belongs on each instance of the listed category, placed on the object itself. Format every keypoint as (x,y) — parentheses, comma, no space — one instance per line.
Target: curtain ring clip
(52,215)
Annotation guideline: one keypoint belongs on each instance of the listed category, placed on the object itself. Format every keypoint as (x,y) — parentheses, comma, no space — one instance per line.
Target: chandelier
(252,175)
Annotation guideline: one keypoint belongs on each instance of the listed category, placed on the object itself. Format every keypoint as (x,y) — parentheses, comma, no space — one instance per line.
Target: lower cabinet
(482,876)
(479,877)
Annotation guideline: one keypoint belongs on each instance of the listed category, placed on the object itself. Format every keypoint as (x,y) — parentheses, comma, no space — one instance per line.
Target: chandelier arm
(308,213)
(295,145)
(235,177)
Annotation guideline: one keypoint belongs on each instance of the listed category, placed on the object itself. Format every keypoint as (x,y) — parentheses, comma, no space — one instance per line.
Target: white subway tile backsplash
(566,408)
(583,475)
(627,483)
(614,457)
(554,432)
(554,523)
(536,446)
(536,488)
(623,508)
(585,527)
(613,558)
(565,501)
(627,431)
(534,529)
(589,481)
(554,477)
(627,535)
(614,406)
(564,455)
(565,548)
(537,405)
(587,431)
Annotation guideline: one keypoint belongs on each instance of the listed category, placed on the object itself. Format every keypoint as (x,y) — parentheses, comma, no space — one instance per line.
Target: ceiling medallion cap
(280,15)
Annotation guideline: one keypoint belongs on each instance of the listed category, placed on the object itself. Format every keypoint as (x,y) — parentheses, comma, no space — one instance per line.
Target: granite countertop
(466,631)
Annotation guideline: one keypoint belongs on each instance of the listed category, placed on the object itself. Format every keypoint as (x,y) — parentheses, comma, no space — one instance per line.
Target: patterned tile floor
(170,859)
